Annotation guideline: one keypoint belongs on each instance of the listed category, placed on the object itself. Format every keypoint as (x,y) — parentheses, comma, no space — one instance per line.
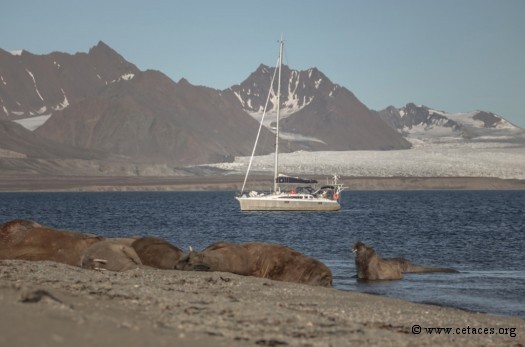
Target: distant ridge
(99,101)
(96,112)
(421,121)
(35,85)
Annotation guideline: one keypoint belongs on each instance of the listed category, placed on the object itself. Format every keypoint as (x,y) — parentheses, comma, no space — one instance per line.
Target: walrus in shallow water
(370,266)
(28,240)
(264,260)
(156,252)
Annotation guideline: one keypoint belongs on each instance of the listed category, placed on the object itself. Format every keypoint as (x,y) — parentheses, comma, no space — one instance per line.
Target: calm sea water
(480,233)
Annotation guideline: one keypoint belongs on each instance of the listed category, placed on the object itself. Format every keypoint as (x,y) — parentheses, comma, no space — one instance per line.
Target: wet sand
(51,304)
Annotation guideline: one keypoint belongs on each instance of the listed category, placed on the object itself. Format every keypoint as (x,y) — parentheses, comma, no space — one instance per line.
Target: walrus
(282,263)
(28,240)
(370,266)
(111,254)
(156,252)
(257,259)
(219,256)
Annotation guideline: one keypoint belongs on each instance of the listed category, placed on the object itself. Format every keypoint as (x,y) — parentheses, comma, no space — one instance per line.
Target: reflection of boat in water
(289,193)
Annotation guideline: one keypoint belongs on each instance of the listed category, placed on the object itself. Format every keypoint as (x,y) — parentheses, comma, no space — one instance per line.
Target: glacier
(425,159)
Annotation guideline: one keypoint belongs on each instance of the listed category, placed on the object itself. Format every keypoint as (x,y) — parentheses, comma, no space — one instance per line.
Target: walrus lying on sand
(157,253)
(28,240)
(219,256)
(111,254)
(370,266)
(264,260)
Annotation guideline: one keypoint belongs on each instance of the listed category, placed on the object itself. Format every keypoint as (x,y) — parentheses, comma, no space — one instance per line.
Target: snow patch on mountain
(334,90)
(270,118)
(127,76)
(34,82)
(290,101)
(33,123)
(62,105)
(298,137)
(37,118)
(124,77)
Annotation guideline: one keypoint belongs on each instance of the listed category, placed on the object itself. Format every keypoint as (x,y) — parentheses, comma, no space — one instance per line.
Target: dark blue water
(480,233)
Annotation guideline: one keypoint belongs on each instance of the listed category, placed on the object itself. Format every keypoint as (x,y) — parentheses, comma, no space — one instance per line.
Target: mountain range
(97,107)
(420,121)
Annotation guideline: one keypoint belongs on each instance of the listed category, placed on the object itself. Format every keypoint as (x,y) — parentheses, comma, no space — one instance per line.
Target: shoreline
(50,303)
(37,183)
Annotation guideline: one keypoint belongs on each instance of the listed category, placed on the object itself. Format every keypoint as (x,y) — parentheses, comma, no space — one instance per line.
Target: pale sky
(451,55)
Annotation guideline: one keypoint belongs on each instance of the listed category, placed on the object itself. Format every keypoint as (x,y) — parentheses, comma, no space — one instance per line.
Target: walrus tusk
(103,261)
(354,250)
(191,249)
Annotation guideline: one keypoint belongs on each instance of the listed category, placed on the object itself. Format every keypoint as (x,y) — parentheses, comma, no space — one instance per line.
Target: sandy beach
(51,304)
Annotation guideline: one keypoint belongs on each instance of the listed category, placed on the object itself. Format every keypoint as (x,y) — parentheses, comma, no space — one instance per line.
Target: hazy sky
(451,55)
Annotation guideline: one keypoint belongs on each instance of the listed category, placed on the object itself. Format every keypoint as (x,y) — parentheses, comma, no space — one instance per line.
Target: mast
(276,165)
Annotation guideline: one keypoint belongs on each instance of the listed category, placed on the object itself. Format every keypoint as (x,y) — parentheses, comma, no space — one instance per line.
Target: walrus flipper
(440,269)
(201,267)
(407,266)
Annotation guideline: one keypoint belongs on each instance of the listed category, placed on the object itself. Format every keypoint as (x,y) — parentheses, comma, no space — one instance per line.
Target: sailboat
(289,193)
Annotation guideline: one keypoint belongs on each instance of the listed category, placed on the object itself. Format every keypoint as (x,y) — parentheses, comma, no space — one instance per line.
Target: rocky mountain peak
(101,46)
(316,114)
(418,120)
(298,89)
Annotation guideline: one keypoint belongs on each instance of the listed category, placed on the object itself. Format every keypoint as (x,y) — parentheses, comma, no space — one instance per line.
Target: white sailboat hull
(287,203)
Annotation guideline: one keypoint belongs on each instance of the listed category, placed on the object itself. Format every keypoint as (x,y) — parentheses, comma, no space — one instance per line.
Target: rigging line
(259,131)
(287,61)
